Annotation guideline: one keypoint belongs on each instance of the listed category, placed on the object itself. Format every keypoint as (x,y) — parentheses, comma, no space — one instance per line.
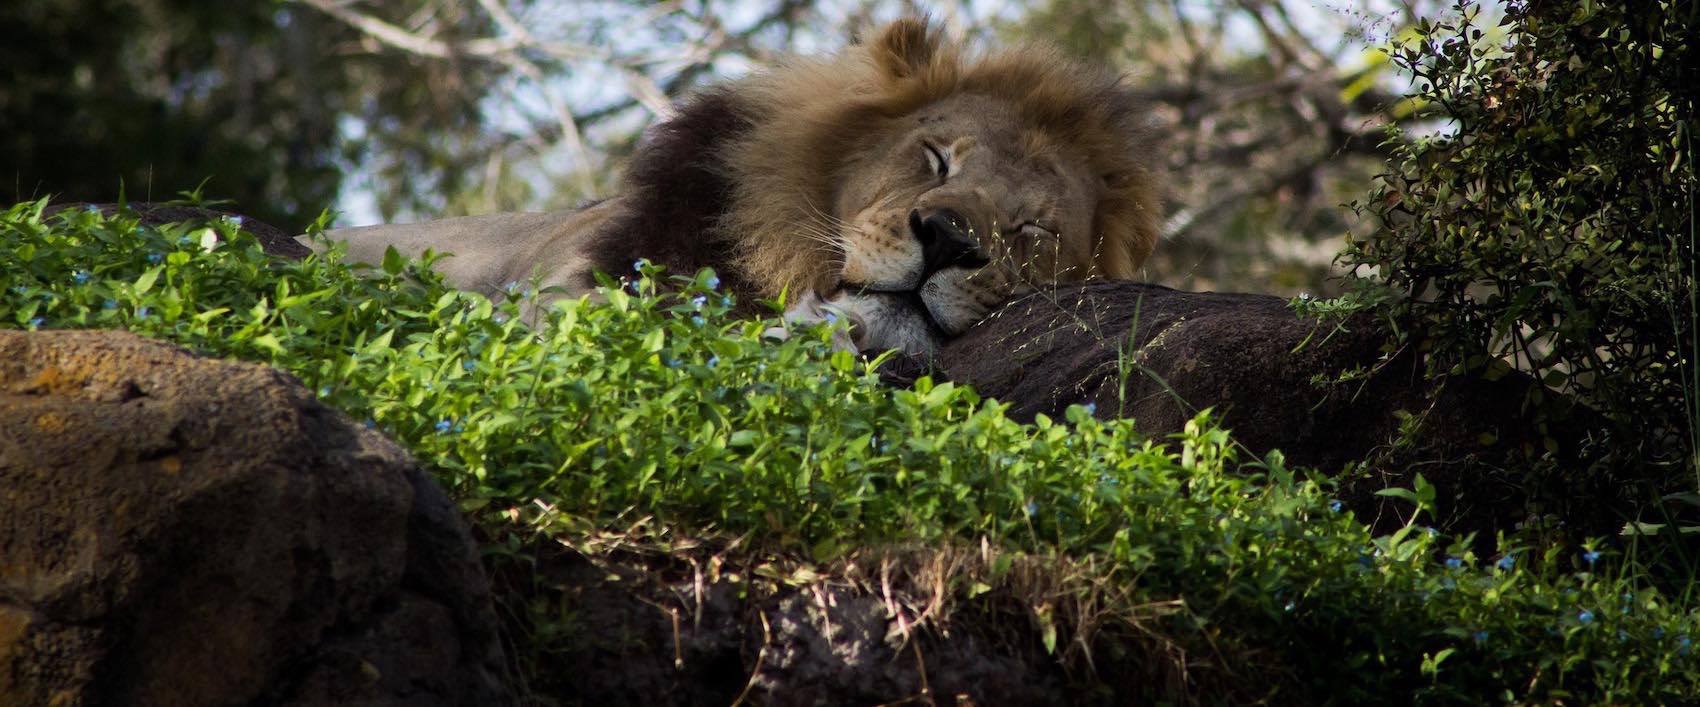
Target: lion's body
(903,182)
(511,246)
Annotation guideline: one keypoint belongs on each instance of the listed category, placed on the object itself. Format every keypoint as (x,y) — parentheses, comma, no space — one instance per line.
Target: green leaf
(393,262)
(146,281)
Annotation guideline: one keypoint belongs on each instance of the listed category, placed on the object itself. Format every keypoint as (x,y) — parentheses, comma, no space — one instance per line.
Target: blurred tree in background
(162,94)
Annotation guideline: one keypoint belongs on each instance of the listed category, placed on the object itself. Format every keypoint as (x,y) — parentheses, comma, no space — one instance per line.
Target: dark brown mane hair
(677,189)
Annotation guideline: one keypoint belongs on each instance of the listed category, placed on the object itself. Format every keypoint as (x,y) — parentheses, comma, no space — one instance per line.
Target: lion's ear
(906,47)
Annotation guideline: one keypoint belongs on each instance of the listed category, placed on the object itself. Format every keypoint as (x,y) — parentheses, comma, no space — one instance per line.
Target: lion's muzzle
(946,240)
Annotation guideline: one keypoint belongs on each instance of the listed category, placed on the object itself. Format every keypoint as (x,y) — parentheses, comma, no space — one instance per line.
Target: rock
(177,530)
(1324,393)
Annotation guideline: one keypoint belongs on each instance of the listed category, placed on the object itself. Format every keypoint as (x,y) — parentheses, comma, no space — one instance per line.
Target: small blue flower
(142,312)
(444,425)
(234,220)
(36,322)
(726,301)
(713,282)
(91,208)
(1431,532)
(713,361)
(325,392)
(1506,563)
(1682,645)
(1622,635)
(831,318)
(511,287)
(468,365)
(80,276)
(670,362)
(1480,636)
(1585,617)
(1091,407)
(109,304)
(370,423)
(499,318)
(639,264)
(698,301)
(155,257)
(1335,506)
(1453,563)
(697,320)
(1591,557)
(1032,508)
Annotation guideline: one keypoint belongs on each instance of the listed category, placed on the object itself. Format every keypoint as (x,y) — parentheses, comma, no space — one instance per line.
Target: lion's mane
(725,182)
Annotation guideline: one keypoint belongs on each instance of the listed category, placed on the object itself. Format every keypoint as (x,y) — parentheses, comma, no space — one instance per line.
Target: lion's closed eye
(938,161)
(1034,229)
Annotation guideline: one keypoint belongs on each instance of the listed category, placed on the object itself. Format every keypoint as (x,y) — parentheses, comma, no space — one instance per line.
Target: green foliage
(1550,227)
(657,405)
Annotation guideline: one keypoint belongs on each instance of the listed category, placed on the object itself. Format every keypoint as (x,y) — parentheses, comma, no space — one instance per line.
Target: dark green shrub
(1549,226)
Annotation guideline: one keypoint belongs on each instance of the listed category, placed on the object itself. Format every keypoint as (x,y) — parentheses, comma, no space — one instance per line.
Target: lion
(904,183)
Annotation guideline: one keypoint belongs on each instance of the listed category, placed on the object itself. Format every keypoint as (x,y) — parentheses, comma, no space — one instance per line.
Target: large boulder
(177,530)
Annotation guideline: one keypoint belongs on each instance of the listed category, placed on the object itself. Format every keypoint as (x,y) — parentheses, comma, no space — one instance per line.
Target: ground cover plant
(656,406)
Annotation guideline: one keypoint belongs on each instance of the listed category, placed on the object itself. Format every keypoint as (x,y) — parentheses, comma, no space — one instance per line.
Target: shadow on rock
(177,530)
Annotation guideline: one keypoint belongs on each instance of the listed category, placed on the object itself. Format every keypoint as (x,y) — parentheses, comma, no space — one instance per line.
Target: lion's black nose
(945,239)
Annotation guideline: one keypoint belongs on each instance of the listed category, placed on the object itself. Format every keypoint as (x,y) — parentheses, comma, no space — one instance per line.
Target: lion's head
(913,185)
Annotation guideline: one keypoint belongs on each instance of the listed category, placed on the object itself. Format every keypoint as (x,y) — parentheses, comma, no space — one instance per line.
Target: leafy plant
(654,404)
(1548,226)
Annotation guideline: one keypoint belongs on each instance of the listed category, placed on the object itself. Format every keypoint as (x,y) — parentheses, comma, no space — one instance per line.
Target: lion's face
(952,211)
(914,186)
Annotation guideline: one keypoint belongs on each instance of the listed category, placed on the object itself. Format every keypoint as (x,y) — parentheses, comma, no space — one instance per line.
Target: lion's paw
(809,309)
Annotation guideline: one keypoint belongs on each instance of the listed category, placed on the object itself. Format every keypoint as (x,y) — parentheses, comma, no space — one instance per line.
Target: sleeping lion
(903,183)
